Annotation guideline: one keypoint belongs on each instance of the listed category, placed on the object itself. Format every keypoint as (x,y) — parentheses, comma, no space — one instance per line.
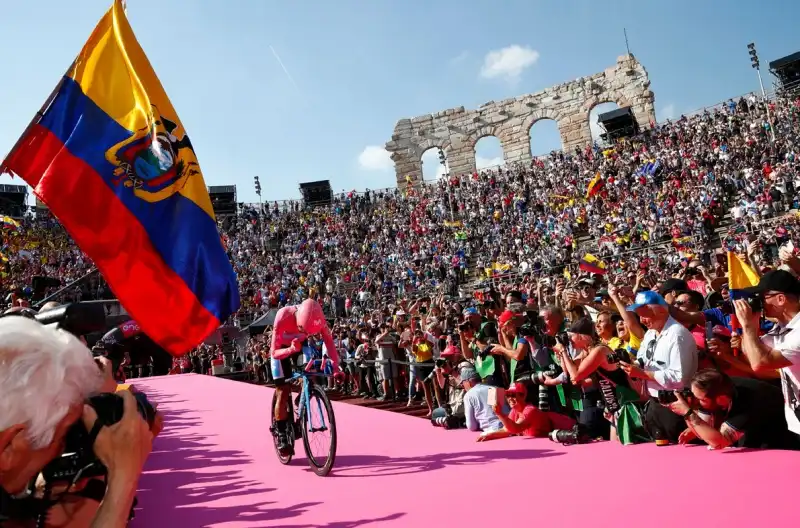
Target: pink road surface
(214,465)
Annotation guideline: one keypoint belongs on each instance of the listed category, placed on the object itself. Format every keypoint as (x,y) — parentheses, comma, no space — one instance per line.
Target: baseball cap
(517,388)
(450,351)
(646,298)
(671,285)
(470,311)
(777,281)
(468,373)
(505,317)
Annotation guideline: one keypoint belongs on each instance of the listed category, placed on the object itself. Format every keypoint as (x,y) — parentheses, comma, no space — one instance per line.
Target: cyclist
(293,325)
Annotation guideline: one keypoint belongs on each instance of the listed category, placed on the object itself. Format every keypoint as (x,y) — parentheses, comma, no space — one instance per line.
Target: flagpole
(35,121)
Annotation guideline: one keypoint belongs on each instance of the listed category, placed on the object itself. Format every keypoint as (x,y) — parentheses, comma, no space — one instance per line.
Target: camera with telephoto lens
(78,319)
(440,362)
(78,460)
(537,378)
(464,327)
(667,396)
(617,355)
(576,435)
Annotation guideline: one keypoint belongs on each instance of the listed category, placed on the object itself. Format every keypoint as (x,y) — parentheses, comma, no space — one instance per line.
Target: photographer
(453,372)
(610,386)
(779,292)
(45,377)
(733,412)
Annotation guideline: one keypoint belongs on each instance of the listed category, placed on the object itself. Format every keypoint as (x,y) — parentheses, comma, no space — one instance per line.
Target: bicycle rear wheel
(318,422)
(284,459)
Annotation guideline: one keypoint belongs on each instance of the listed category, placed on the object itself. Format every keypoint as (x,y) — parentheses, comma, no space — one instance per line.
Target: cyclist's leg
(281,372)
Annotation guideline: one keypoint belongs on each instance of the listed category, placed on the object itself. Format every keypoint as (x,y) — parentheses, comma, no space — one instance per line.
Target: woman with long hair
(598,363)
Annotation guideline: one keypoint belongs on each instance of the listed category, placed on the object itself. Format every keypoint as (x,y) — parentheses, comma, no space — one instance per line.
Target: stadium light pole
(756,64)
(260,211)
(443,162)
(258,190)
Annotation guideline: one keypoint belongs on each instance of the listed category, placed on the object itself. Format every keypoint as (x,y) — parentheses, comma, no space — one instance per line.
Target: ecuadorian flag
(112,161)
(9,223)
(740,276)
(592,264)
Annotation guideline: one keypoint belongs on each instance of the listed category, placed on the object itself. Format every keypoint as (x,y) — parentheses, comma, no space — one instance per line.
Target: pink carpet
(214,465)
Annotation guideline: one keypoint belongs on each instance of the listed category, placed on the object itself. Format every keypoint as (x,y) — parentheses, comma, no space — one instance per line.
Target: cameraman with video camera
(46,378)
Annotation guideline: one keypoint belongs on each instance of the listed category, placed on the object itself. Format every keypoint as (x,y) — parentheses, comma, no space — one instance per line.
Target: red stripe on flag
(141,277)
(591,268)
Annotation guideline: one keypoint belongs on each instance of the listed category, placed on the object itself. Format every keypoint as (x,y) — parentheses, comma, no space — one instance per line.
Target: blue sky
(309,90)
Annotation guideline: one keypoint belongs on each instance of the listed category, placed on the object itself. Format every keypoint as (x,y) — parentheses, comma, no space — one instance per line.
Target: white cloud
(485,163)
(508,62)
(375,158)
(668,112)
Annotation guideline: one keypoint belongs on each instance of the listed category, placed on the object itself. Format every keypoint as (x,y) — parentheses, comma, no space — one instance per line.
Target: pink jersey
(285,331)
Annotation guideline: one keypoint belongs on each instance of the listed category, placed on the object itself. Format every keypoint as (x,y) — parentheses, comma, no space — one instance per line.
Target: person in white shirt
(779,292)
(666,361)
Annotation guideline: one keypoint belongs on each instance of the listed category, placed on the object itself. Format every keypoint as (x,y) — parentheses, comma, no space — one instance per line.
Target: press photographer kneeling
(51,440)
(732,412)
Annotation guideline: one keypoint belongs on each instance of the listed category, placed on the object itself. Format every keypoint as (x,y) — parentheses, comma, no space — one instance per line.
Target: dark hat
(671,285)
(582,326)
(777,281)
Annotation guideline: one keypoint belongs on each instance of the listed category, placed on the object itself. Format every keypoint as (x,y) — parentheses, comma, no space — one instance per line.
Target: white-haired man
(45,377)
(666,361)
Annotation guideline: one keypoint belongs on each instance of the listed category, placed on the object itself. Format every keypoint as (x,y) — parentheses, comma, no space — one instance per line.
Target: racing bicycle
(313,418)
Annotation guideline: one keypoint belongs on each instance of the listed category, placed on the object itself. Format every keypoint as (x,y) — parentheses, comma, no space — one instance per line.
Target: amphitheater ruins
(456,130)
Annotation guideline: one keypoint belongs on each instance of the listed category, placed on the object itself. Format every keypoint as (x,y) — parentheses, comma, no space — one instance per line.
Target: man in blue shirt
(479,414)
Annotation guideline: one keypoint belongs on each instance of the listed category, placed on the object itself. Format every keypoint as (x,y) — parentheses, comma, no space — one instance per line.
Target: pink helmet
(309,317)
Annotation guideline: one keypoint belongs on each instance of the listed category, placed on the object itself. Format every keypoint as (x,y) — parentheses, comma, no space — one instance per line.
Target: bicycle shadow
(359,466)
(190,482)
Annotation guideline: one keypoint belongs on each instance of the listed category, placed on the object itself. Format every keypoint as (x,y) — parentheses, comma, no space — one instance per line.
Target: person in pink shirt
(523,418)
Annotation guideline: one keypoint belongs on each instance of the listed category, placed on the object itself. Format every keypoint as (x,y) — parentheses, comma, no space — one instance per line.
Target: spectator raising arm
(761,356)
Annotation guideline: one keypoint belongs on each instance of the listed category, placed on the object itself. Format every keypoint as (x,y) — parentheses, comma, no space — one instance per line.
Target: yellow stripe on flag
(740,275)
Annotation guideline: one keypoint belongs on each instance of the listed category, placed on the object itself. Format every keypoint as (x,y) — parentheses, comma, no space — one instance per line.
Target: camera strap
(98,424)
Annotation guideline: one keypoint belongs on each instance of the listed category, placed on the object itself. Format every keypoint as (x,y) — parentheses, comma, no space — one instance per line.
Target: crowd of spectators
(466,295)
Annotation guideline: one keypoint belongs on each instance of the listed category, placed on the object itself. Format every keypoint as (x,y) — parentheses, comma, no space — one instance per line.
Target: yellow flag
(740,275)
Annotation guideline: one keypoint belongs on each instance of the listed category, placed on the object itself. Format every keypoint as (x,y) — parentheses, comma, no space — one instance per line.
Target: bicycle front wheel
(319,431)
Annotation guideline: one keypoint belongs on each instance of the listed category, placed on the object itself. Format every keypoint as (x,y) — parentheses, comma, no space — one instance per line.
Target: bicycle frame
(306,376)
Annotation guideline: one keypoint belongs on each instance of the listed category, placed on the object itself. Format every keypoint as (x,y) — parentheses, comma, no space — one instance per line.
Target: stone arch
(457,130)
(485,131)
(494,158)
(615,97)
(432,173)
(538,115)
(429,143)
(540,152)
